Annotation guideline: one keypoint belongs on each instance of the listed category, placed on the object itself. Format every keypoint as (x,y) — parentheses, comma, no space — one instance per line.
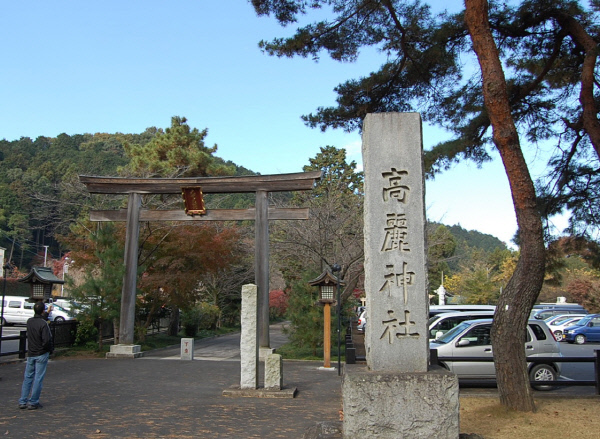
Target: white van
(437,309)
(443,322)
(17,310)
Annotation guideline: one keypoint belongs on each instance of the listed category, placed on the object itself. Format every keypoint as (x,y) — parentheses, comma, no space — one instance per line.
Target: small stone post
(187,348)
(273,372)
(398,395)
(249,338)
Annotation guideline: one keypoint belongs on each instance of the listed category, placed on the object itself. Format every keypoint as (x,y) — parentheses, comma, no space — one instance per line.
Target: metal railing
(22,337)
(435,359)
(63,334)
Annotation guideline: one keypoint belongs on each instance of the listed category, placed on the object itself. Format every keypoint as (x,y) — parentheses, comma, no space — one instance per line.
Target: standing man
(39,348)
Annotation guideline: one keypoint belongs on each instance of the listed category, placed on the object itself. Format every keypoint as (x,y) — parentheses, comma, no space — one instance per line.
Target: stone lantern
(41,279)
(328,285)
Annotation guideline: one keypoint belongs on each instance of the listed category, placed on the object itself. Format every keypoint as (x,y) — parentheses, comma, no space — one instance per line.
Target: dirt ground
(574,418)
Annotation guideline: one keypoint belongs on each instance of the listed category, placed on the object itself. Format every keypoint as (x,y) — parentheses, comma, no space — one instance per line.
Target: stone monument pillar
(249,355)
(249,338)
(397,394)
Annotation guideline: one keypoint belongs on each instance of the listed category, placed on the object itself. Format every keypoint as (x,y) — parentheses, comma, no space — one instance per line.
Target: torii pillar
(261,185)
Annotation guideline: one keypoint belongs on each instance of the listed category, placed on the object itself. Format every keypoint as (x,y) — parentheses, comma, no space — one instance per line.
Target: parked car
(17,310)
(63,303)
(543,314)
(472,339)
(573,307)
(362,321)
(437,309)
(559,319)
(441,323)
(59,314)
(586,329)
(558,327)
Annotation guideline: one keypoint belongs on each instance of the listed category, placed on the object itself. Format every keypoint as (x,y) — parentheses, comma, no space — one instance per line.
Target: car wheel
(3,321)
(558,335)
(542,372)
(59,319)
(580,339)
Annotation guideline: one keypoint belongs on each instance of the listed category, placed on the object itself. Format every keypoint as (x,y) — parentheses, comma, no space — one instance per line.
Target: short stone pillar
(187,348)
(397,395)
(249,338)
(273,372)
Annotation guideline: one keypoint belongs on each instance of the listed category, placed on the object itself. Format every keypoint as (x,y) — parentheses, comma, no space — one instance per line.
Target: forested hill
(475,239)
(40,195)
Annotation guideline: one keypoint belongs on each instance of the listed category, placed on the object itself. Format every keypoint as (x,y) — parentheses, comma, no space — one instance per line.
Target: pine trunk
(510,321)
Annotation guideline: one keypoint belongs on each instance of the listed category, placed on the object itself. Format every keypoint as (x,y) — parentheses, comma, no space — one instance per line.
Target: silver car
(472,339)
(362,321)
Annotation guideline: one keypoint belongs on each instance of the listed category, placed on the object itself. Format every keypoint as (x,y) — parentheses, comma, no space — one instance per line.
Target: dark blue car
(587,329)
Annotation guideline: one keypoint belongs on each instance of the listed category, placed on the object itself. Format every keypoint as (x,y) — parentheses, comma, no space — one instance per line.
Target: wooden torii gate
(261,185)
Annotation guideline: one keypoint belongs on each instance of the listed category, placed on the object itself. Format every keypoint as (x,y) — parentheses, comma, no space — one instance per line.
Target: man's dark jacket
(39,338)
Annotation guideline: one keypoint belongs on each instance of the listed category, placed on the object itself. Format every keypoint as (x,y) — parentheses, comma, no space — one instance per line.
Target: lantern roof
(326,278)
(42,275)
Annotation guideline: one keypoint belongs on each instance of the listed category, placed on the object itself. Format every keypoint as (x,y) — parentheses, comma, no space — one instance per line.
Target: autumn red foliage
(278,303)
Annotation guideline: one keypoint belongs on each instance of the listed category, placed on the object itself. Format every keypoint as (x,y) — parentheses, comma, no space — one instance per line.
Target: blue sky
(121,66)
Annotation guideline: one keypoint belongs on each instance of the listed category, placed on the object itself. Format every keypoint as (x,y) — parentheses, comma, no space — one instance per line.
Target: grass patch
(86,351)
(486,417)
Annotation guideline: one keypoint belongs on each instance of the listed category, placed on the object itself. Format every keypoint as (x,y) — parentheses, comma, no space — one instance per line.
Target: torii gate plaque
(261,185)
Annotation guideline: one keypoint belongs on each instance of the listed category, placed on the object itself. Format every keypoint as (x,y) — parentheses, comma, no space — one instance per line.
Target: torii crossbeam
(261,185)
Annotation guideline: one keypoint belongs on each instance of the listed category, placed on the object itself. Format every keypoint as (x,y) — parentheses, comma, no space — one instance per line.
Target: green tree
(99,294)
(39,182)
(441,245)
(179,151)
(304,314)
(537,71)
(172,255)
(333,234)
(482,276)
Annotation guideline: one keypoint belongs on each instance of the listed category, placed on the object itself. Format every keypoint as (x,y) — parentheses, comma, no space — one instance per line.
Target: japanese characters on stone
(397,279)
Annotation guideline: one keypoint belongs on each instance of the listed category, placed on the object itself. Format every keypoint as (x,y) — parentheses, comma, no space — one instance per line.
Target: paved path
(160,396)
(224,348)
(154,398)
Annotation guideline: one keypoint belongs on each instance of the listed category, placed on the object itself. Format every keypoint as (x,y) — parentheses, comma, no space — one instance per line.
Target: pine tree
(537,79)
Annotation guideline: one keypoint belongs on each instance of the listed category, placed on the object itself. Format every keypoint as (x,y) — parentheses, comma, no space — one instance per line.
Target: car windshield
(431,320)
(561,321)
(450,335)
(584,321)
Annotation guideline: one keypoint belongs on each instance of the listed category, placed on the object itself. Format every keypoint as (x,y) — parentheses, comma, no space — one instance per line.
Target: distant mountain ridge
(473,238)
